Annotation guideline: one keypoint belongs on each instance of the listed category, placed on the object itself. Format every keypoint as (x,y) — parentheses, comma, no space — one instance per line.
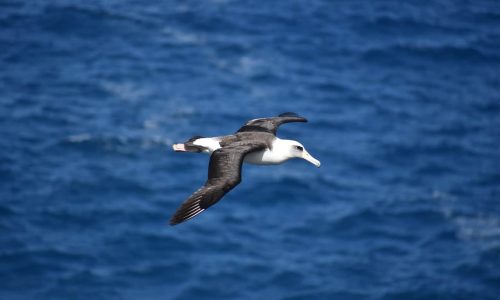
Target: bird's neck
(280,150)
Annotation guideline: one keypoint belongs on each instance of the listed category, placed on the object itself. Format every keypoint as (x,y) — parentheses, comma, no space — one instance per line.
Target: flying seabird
(254,143)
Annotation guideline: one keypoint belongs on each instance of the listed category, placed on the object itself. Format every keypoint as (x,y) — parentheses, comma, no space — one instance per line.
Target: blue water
(403,102)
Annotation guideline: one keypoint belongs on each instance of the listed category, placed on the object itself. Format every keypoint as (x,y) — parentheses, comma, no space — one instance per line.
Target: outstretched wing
(224,173)
(271,124)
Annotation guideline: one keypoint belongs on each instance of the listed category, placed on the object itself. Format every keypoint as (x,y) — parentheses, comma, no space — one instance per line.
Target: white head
(296,149)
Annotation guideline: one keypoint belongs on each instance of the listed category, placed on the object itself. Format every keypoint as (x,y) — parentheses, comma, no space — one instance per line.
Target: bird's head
(296,149)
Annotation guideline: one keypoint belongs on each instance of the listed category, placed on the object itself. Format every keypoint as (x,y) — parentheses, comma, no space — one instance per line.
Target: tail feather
(189,145)
(179,148)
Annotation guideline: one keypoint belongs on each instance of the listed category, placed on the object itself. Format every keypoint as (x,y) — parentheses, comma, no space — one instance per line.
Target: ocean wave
(177,36)
(129,91)
(124,144)
(404,26)
(482,229)
(414,148)
(429,53)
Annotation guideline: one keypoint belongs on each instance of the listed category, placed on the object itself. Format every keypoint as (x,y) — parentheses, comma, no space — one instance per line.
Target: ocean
(403,103)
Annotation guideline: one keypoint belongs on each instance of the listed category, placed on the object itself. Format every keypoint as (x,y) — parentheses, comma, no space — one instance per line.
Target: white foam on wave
(250,66)
(182,37)
(128,91)
(480,228)
(150,124)
(78,138)
(246,66)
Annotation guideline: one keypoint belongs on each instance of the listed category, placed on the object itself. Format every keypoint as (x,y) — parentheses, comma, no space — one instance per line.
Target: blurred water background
(403,104)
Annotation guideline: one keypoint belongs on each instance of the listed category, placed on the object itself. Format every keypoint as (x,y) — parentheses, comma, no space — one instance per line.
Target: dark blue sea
(403,103)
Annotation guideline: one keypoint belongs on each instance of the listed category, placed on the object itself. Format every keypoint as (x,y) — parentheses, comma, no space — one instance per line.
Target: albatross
(256,143)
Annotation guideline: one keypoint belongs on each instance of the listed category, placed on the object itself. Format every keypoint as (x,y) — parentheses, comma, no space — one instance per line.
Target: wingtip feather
(293,115)
(181,218)
(289,114)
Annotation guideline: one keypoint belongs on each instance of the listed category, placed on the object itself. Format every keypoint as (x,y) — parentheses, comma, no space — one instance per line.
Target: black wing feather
(271,124)
(224,173)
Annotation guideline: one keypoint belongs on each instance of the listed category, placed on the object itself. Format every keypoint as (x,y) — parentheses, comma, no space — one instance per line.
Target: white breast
(268,157)
(260,158)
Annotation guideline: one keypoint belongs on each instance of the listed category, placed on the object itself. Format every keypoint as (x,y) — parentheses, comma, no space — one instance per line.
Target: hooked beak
(309,158)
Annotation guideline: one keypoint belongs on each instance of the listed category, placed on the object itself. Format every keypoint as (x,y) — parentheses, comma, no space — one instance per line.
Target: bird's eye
(299,148)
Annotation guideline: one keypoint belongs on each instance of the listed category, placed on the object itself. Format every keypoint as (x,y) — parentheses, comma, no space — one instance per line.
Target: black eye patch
(299,148)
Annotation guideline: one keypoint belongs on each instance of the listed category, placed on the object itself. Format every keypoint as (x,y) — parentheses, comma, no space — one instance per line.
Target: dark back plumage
(271,124)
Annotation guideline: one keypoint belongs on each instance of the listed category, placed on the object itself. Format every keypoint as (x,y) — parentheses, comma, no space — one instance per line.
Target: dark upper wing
(224,173)
(271,124)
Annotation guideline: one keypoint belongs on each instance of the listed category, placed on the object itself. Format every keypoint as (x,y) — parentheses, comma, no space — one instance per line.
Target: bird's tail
(189,146)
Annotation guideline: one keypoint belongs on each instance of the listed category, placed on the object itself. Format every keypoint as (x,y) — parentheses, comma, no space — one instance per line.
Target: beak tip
(311,159)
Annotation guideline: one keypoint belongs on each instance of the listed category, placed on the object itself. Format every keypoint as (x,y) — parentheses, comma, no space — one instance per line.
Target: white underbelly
(264,157)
